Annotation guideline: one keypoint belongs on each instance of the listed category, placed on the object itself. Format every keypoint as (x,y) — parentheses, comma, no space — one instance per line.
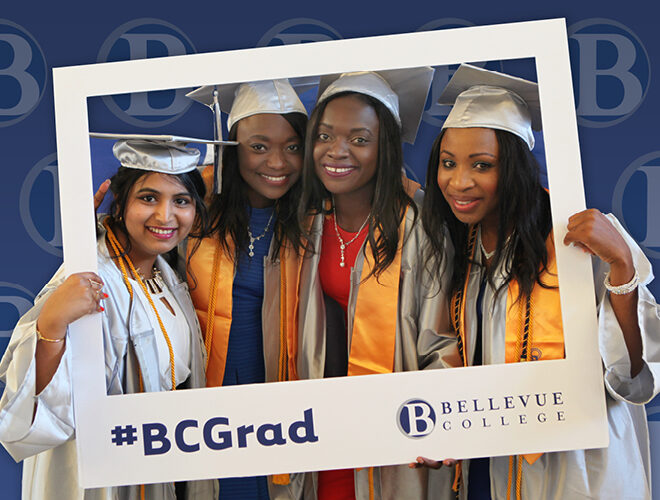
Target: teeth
(338,170)
(274,179)
(458,202)
(161,231)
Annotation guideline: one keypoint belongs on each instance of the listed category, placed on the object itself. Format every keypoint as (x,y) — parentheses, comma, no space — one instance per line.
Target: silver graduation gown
(622,470)
(424,340)
(47,444)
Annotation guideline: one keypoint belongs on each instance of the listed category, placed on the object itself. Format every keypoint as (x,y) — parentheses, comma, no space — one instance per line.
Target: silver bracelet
(45,339)
(624,289)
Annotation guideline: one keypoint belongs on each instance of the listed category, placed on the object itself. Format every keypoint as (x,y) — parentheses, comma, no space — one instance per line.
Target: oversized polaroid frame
(351,421)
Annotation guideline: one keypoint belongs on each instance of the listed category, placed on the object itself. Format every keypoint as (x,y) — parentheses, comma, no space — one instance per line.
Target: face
(468,172)
(269,157)
(346,147)
(159,214)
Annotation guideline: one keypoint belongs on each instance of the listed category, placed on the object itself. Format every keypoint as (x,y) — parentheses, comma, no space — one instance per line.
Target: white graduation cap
(240,100)
(483,98)
(402,91)
(166,154)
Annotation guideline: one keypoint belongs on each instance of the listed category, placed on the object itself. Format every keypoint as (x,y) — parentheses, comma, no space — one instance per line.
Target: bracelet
(624,289)
(41,337)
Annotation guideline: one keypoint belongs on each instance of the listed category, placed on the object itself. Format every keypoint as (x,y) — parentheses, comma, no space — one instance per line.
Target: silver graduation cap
(166,154)
(483,98)
(402,91)
(240,100)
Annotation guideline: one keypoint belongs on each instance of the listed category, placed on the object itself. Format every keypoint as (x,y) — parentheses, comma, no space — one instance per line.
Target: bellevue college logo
(611,71)
(636,202)
(142,39)
(416,418)
(40,205)
(23,73)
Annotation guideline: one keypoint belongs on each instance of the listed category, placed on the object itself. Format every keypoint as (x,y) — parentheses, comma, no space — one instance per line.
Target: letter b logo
(416,418)
(23,73)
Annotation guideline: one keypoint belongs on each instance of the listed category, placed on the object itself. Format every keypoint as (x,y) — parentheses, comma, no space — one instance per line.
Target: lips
(464,204)
(275,180)
(162,233)
(338,170)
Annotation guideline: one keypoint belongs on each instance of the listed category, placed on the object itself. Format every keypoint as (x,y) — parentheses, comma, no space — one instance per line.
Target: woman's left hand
(595,234)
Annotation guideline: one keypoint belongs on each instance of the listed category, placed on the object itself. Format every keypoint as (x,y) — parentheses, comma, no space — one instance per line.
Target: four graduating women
(344,273)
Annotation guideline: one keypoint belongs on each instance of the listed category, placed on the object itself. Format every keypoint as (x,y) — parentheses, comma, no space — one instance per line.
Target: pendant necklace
(342,245)
(253,239)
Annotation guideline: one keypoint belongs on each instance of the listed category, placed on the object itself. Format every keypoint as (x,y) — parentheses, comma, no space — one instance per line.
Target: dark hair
(229,211)
(390,198)
(124,180)
(524,208)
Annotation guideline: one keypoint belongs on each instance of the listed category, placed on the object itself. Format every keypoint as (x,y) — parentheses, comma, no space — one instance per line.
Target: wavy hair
(524,208)
(389,198)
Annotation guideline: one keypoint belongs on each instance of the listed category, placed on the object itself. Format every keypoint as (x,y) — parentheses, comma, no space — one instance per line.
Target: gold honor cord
(210,315)
(122,259)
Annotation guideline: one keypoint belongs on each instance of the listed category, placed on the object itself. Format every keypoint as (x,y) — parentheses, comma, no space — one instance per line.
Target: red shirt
(336,283)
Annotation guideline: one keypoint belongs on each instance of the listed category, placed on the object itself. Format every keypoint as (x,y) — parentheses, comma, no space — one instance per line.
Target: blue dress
(245,358)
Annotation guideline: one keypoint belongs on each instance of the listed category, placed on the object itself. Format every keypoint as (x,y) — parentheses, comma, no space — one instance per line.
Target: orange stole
(374,324)
(216,328)
(373,338)
(546,340)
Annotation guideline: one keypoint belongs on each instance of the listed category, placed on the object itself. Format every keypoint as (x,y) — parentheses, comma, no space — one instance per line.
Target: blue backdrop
(611,52)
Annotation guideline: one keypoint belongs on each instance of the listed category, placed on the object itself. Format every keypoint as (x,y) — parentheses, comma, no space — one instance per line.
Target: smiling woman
(151,338)
(239,271)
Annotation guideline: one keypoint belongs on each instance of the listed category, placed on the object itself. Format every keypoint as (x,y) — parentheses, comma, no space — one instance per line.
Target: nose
(163,212)
(276,159)
(338,149)
(461,179)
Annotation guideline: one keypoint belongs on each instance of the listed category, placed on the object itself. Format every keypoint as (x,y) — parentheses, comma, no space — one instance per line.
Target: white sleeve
(24,431)
(616,361)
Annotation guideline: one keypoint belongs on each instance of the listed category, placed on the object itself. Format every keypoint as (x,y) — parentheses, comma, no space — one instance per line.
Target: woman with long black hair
(239,274)
(367,303)
(483,185)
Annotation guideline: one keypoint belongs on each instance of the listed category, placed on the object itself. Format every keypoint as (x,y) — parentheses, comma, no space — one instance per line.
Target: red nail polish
(105,296)
(101,308)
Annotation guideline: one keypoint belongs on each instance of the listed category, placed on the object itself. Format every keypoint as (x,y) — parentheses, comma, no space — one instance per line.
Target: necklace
(124,261)
(342,245)
(155,284)
(253,239)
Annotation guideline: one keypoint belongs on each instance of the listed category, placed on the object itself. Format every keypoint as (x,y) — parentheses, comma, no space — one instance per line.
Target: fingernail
(101,308)
(105,295)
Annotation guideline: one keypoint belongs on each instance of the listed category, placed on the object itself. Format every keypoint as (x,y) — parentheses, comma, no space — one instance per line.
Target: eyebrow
(147,190)
(265,138)
(470,156)
(353,130)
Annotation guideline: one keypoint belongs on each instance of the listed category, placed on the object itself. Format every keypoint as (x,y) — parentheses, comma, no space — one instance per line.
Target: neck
(143,264)
(351,211)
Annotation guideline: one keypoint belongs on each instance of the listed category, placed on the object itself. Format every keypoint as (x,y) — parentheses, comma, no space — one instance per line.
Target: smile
(162,232)
(337,171)
(279,179)
(465,205)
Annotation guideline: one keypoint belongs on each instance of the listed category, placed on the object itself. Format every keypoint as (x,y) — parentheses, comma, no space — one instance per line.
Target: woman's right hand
(78,295)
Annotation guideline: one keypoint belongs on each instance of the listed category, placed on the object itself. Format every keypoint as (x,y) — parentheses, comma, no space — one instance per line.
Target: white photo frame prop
(351,421)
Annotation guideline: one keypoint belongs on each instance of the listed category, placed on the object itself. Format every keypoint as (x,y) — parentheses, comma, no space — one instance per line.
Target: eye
(360,140)
(483,165)
(258,147)
(446,163)
(294,148)
(323,137)
(182,201)
(149,198)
